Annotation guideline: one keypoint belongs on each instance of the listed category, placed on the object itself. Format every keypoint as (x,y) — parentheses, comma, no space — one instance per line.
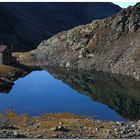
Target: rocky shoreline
(64,125)
(9,73)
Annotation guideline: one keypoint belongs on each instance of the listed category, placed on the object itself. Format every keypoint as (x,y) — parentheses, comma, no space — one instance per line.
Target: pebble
(29,130)
(54,129)
(54,135)
(15,132)
(85,127)
(39,136)
(67,65)
(61,123)
(59,128)
(97,129)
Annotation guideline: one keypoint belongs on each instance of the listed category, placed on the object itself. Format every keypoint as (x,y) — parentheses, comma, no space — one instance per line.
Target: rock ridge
(110,45)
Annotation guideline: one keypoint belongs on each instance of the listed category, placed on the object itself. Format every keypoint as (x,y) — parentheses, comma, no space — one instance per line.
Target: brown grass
(41,125)
(4,69)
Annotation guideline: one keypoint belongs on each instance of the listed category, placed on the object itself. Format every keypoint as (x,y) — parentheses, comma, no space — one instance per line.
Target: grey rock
(61,128)
(54,129)
(67,65)
(39,136)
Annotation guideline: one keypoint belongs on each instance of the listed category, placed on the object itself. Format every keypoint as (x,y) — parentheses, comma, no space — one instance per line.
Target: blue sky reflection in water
(39,93)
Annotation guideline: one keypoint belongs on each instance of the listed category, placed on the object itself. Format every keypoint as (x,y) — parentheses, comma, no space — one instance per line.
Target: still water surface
(39,93)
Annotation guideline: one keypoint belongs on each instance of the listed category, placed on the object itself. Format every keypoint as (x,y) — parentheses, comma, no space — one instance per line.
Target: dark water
(77,92)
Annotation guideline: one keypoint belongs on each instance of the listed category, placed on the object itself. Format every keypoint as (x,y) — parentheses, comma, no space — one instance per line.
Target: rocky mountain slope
(25,25)
(111,44)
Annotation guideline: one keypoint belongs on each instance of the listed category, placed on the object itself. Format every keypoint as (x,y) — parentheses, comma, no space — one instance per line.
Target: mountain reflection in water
(118,92)
(41,92)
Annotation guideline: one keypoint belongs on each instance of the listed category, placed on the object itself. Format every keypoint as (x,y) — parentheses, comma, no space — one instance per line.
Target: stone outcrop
(110,45)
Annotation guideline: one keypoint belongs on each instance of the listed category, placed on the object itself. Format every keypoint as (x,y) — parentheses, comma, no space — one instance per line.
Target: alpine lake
(87,93)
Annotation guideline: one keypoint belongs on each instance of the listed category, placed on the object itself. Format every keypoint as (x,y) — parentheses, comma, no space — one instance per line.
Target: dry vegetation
(74,126)
(5,69)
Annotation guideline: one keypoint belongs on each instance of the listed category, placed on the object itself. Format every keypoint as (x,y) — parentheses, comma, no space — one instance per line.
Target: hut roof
(2,48)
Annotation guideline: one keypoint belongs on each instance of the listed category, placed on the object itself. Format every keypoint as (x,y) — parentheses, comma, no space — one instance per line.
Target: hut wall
(7,56)
(1,58)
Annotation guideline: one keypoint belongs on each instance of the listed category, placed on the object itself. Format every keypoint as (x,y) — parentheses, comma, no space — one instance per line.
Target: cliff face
(111,45)
(25,25)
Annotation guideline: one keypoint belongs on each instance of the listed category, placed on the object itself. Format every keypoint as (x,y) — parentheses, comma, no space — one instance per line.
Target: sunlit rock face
(25,25)
(111,45)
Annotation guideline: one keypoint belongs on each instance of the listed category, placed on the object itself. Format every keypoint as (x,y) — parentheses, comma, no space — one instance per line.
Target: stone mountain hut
(5,55)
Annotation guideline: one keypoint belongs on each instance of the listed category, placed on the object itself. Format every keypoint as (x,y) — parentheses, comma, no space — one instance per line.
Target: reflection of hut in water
(5,54)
